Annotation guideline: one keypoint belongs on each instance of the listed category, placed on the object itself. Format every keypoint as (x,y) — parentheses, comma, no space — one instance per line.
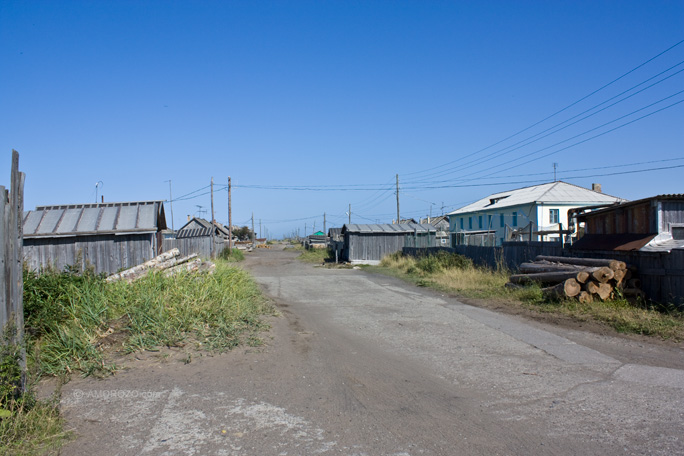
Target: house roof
(624,204)
(388,228)
(92,219)
(204,229)
(550,193)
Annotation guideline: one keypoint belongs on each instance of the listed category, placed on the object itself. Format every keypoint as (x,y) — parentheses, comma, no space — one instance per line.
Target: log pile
(170,262)
(584,279)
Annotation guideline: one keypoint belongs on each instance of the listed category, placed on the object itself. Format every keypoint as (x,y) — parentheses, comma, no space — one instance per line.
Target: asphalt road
(360,364)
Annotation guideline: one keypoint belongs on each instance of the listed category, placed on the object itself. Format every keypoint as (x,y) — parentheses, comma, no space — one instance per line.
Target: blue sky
(311,106)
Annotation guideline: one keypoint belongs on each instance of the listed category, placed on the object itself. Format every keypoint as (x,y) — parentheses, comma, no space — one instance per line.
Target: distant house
(335,234)
(442,224)
(199,227)
(649,224)
(196,237)
(105,236)
(368,244)
(318,240)
(536,213)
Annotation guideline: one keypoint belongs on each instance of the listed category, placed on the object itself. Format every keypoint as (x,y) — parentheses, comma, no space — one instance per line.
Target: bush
(232,255)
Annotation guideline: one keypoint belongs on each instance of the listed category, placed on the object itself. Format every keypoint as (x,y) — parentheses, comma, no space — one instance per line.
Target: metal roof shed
(368,244)
(106,236)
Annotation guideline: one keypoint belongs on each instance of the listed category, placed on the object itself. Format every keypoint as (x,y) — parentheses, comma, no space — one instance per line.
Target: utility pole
(260,235)
(171,205)
(398,219)
(253,237)
(324,226)
(230,222)
(554,171)
(349,213)
(213,226)
(304,229)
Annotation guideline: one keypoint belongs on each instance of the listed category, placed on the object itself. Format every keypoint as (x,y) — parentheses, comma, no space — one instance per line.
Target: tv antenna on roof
(555,165)
(98,184)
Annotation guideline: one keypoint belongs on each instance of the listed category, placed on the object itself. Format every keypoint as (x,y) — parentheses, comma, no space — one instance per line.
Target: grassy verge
(76,323)
(232,256)
(314,255)
(456,274)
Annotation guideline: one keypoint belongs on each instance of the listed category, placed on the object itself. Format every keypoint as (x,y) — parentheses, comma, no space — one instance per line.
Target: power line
(511,148)
(552,115)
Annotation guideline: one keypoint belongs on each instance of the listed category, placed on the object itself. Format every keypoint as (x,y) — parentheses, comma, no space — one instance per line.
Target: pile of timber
(585,279)
(170,262)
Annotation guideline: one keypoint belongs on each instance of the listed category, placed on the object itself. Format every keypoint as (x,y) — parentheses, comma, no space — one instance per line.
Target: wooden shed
(106,236)
(368,244)
(655,223)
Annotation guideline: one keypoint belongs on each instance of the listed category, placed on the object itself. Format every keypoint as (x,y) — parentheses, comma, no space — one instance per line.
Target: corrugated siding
(106,253)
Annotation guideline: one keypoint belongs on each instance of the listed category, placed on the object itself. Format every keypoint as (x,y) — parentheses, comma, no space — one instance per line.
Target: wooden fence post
(12,211)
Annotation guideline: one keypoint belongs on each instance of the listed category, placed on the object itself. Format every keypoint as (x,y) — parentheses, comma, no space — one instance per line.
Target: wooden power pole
(213,226)
(398,219)
(230,222)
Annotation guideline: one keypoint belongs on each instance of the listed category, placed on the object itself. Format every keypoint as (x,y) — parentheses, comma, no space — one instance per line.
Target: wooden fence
(661,273)
(199,245)
(11,280)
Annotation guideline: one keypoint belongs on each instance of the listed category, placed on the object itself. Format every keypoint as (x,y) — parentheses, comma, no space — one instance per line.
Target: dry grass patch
(456,274)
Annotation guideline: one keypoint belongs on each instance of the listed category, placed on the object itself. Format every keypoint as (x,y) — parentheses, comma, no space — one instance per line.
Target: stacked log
(584,279)
(170,262)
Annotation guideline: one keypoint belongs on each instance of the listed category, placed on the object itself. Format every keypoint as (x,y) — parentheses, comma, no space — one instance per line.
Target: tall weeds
(73,318)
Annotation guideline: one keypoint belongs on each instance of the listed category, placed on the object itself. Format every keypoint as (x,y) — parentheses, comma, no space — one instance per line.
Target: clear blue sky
(335,98)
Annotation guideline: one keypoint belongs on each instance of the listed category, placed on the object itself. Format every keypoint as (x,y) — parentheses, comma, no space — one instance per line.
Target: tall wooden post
(213,226)
(230,222)
(398,219)
(253,237)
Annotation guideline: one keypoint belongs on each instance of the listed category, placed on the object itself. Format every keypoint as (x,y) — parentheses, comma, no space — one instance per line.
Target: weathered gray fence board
(11,298)
(200,245)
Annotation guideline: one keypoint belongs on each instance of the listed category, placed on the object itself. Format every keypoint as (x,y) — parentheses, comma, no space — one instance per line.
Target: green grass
(34,428)
(76,322)
(232,256)
(456,274)
(314,255)
(80,320)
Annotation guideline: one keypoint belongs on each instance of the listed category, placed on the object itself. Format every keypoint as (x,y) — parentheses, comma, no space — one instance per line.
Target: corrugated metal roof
(624,204)
(550,193)
(92,219)
(203,230)
(388,228)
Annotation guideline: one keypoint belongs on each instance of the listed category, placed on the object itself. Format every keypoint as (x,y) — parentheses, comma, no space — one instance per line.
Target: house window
(514,222)
(479,222)
(554,216)
(678,233)
(501,220)
(489,222)
(461,222)
(470,223)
